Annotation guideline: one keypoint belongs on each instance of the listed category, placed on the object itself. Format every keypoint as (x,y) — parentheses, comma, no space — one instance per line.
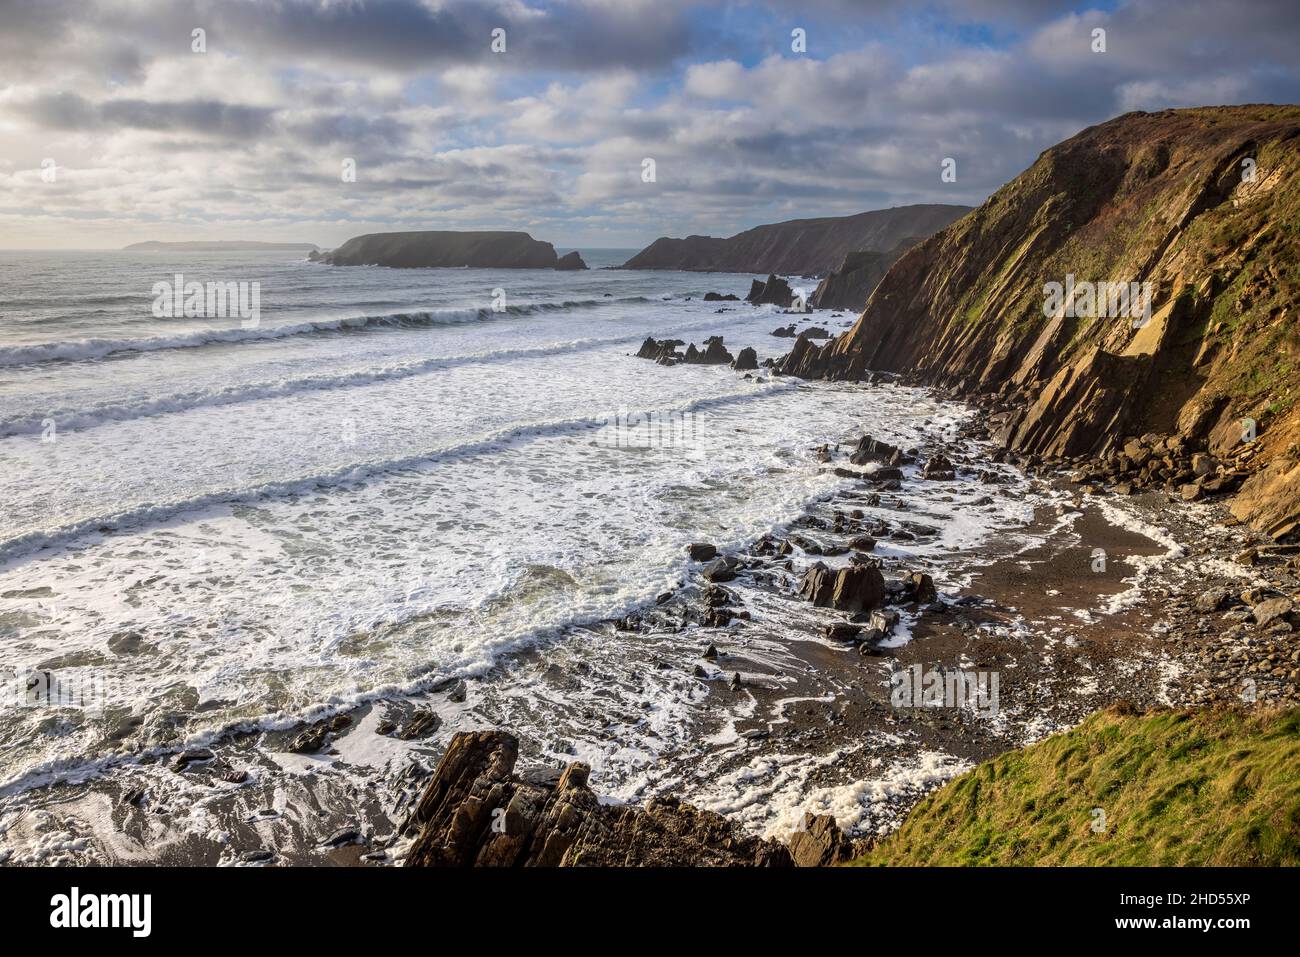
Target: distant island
(219,246)
(448,248)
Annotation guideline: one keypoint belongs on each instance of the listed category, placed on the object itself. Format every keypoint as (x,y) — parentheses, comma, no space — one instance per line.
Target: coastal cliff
(428,248)
(851,285)
(1196,207)
(799,246)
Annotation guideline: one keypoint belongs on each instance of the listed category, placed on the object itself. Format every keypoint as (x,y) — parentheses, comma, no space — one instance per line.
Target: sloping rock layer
(1203,205)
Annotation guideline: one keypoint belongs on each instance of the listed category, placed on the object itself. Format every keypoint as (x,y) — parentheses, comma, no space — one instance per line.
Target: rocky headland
(445,248)
(1197,208)
(799,246)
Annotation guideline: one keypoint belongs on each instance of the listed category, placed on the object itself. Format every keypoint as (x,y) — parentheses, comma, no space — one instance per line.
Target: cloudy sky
(142,137)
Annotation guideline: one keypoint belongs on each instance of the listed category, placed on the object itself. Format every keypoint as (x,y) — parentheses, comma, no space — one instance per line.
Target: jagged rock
(747,359)
(570,260)
(476,811)
(716,297)
(872,450)
(661,351)
(775,291)
(784,332)
(311,740)
(422,724)
(821,843)
(714,353)
(938,468)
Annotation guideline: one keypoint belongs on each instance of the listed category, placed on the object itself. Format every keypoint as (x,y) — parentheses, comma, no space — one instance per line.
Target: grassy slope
(1186,787)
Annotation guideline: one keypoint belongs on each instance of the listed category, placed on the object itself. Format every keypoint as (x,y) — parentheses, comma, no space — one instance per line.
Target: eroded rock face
(1148,198)
(851,285)
(478,812)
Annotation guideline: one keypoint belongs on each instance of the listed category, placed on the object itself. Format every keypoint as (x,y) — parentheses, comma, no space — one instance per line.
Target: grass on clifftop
(1185,787)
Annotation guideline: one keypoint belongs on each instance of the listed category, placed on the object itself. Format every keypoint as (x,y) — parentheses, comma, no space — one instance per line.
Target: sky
(118,123)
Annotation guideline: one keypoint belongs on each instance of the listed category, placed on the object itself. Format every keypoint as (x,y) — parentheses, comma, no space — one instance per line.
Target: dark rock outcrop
(429,248)
(776,291)
(855,588)
(478,811)
(851,285)
(717,297)
(663,351)
(872,450)
(821,843)
(746,360)
(798,247)
(713,354)
(570,260)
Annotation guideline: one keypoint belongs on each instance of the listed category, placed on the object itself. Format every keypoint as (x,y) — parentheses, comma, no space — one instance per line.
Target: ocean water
(395,477)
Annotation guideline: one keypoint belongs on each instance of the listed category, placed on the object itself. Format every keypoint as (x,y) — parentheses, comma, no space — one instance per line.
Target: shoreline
(820,735)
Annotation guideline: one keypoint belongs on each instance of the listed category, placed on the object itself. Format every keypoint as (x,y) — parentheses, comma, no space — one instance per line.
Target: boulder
(939,468)
(702,552)
(821,843)
(872,450)
(858,588)
(723,569)
(1271,610)
(842,631)
(920,587)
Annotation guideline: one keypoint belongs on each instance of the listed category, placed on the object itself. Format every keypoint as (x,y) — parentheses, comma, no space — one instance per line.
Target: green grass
(1179,787)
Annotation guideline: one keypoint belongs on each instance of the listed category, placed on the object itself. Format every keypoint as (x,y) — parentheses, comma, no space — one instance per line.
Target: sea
(383,481)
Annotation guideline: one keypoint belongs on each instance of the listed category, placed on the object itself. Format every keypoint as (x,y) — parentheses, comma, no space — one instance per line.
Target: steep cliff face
(851,285)
(812,246)
(484,250)
(1202,206)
